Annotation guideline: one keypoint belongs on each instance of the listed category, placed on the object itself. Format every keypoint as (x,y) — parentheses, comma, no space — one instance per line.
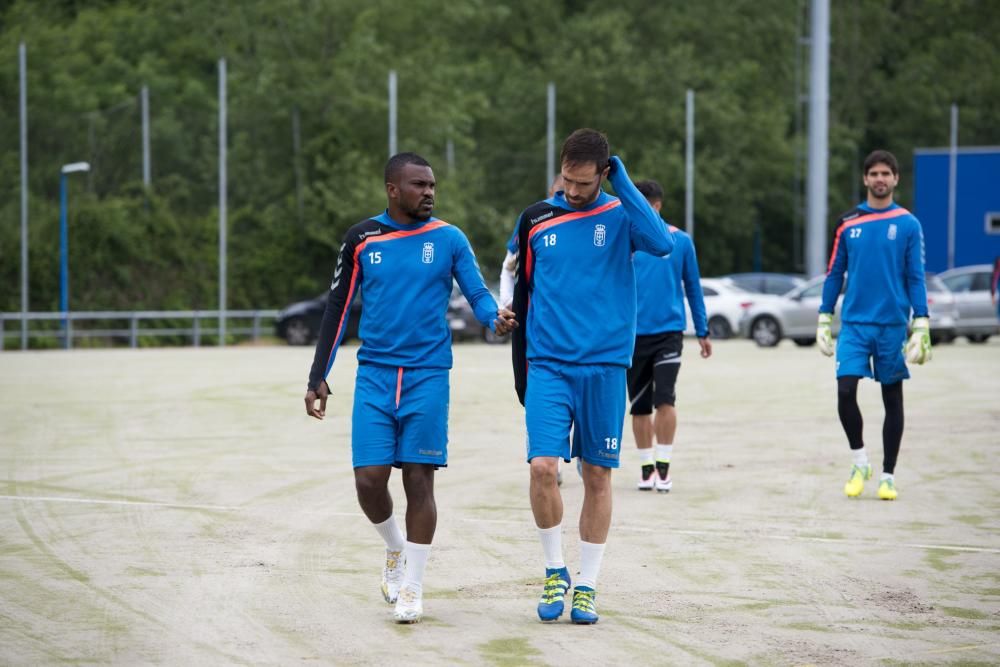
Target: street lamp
(64,239)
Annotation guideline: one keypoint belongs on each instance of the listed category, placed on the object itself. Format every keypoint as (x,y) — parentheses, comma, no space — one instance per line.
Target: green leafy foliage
(471,72)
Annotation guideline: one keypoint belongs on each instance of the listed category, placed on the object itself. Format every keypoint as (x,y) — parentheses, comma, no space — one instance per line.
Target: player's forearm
(328,339)
(649,234)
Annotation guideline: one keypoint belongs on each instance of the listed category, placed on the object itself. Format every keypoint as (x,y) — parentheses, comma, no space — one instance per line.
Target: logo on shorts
(428,255)
(430,452)
(892,232)
(599,235)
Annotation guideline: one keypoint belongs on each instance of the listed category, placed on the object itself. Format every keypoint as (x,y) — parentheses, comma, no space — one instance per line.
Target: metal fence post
(69,334)
(134,333)
(1,331)
(256,325)
(196,338)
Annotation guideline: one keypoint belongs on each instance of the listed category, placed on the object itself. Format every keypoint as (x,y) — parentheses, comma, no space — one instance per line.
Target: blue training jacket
(882,251)
(404,273)
(575,293)
(661,284)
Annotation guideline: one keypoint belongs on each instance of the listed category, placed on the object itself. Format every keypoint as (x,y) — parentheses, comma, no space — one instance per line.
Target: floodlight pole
(22,59)
(64,241)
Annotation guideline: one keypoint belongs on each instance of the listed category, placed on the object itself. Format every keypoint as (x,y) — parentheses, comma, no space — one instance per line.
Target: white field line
(97,501)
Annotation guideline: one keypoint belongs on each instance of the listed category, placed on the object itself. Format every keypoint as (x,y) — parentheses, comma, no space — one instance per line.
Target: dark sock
(850,413)
(892,427)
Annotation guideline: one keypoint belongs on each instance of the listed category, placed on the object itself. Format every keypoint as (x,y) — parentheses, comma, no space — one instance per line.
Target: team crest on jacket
(428,255)
(892,232)
(599,235)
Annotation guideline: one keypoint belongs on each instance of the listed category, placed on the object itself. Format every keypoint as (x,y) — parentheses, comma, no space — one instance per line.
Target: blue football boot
(584,610)
(551,606)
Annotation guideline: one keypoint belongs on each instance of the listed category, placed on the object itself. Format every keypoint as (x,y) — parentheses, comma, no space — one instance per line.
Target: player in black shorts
(661,285)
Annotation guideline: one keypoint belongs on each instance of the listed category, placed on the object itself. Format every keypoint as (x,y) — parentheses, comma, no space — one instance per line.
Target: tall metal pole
(952,184)
(222,201)
(22,58)
(63,248)
(819,98)
(392,113)
(147,174)
(550,136)
(689,165)
(297,160)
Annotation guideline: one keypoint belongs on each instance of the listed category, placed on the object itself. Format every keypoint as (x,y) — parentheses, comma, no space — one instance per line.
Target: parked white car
(977,316)
(725,302)
(794,315)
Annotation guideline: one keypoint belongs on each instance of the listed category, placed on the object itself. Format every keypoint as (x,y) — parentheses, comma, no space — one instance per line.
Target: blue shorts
(590,399)
(862,347)
(400,416)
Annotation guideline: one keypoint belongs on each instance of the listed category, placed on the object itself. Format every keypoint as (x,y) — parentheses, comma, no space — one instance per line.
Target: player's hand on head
(824,334)
(613,163)
(321,393)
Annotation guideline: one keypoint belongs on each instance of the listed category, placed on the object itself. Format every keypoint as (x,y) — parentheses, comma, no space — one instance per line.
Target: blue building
(977,204)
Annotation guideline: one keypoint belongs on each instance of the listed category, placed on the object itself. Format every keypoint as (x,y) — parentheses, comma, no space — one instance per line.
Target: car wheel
(493,338)
(297,332)
(978,338)
(766,331)
(804,342)
(719,329)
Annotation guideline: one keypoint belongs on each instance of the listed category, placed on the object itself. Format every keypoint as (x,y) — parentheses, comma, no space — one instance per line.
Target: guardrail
(134,329)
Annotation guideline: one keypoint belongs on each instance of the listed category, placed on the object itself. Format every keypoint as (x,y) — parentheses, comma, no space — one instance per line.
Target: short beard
(888,193)
(415,214)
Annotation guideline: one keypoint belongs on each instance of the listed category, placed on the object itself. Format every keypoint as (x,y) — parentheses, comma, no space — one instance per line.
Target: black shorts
(653,376)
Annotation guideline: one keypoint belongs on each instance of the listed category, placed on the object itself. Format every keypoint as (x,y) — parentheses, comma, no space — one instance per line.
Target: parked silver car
(977,316)
(794,315)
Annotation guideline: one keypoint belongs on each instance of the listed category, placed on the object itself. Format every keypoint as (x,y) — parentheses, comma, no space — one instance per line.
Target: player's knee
(596,480)
(544,470)
(847,389)
(368,485)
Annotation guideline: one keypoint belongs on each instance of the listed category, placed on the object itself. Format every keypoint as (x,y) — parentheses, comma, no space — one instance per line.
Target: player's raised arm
(647,231)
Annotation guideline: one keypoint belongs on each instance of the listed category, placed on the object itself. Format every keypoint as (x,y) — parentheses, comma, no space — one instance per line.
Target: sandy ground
(177,507)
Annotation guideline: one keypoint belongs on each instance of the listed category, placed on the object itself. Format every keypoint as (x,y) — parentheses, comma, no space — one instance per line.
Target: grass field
(177,507)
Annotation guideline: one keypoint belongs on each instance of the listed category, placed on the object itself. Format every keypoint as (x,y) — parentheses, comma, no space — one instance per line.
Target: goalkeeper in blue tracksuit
(880,245)
(403,261)
(575,299)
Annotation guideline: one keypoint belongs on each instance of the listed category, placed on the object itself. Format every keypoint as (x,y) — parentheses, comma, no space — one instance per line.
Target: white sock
(646,456)
(860,456)
(416,561)
(391,534)
(663,452)
(552,546)
(590,564)
(887,476)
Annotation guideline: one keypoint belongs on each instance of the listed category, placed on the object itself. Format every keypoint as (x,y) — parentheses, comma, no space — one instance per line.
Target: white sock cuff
(664,452)
(391,534)
(413,546)
(552,546)
(646,456)
(860,456)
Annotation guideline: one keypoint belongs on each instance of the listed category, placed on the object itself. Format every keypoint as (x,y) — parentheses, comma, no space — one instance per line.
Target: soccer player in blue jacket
(403,262)
(661,284)
(880,245)
(575,298)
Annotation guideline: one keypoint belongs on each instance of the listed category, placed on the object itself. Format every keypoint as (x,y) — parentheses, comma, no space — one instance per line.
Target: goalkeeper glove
(918,348)
(824,336)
